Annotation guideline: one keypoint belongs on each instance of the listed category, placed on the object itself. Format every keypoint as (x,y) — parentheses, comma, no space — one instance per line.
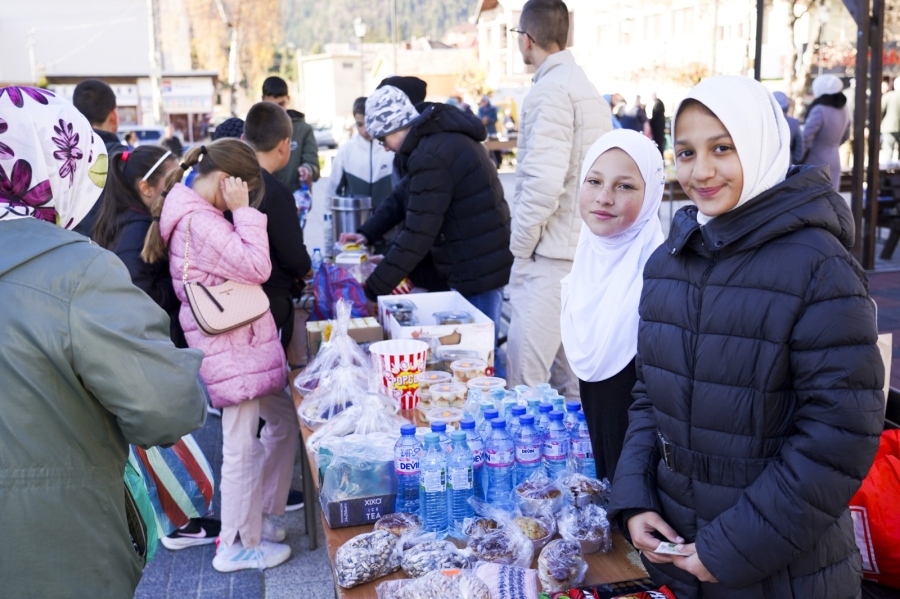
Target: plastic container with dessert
(538,495)
(448,395)
(587,526)
(426,380)
(449,356)
(451,416)
(467,369)
(539,528)
(453,317)
(486,383)
(403,311)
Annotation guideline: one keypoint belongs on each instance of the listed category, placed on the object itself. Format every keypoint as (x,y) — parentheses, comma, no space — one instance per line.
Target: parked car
(324,135)
(146,135)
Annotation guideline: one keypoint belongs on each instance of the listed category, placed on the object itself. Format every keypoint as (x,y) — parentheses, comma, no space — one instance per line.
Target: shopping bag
(332,283)
(876,514)
(179,481)
(140,514)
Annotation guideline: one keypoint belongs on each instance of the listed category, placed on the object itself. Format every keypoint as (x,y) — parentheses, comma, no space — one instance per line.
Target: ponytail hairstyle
(122,192)
(228,155)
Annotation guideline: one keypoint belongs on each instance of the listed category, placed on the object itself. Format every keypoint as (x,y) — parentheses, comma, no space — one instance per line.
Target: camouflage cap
(387,110)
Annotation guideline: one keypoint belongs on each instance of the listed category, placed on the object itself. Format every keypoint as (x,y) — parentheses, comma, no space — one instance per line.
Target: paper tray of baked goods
(417,312)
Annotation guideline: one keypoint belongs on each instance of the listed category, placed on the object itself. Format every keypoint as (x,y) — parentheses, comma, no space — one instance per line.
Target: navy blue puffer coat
(759,378)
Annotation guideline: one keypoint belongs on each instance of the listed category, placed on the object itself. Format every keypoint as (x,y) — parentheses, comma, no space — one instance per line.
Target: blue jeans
(490,303)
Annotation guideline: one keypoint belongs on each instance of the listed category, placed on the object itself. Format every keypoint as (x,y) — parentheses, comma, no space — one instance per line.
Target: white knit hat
(825,85)
(388,110)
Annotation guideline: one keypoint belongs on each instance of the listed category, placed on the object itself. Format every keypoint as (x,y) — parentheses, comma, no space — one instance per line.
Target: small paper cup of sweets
(467,369)
(448,395)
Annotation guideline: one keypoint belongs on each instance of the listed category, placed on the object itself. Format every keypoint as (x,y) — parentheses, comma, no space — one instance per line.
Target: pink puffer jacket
(248,362)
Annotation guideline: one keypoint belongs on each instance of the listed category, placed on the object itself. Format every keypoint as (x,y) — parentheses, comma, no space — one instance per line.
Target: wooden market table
(602,567)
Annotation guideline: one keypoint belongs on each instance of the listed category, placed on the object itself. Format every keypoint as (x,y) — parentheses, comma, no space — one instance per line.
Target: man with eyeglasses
(561,117)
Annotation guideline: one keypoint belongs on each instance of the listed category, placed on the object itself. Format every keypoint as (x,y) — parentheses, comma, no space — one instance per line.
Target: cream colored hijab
(600,297)
(757,125)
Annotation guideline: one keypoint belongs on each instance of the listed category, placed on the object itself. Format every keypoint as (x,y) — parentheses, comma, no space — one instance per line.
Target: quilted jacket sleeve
(389,213)
(837,377)
(123,356)
(541,174)
(430,191)
(240,254)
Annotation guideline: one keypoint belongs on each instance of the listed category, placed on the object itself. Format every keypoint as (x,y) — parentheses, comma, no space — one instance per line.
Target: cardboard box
(353,512)
(477,335)
(362,330)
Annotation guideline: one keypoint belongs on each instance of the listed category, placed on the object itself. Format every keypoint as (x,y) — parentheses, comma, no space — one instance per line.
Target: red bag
(876,514)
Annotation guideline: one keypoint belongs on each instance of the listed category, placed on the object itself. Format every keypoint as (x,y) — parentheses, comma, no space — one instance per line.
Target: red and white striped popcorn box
(401,360)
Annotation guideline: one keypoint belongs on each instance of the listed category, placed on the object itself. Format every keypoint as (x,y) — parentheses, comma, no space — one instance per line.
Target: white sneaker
(236,557)
(271,532)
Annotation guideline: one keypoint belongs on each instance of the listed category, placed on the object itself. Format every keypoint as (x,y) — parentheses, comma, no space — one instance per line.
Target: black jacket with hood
(760,380)
(451,204)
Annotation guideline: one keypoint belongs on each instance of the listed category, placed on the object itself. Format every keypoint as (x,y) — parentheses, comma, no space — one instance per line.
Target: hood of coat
(296,115)
(805,199)
(181,202)
(42,237)
(442,118)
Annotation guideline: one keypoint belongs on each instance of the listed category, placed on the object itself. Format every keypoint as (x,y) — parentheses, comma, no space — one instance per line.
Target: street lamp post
(359,28)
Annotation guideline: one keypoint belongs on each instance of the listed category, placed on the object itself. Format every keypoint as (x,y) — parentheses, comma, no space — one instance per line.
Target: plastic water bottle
(513,426)
(460,482)
(582,451)
(407,453)
(500,463)
(440,427)
(571,419)
(545,388)
(484,429)
(497,396)
(328,232)
(476,445)
(303,201)
(556,444)
(317,260)
(558,402)
(433,487)
(534,404)
(543,421)
(483,407)
(528,449)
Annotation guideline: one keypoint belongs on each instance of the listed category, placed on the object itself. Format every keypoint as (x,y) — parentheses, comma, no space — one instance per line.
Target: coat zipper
(767,589)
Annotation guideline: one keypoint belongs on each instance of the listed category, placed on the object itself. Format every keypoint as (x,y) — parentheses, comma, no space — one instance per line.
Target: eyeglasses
(380,140)
(520,32)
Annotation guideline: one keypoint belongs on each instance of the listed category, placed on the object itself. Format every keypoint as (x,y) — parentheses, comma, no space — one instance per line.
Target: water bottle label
(406,465)
(557,449)
(434,481)
(528,454)
(461,478)
(477,456)
(500,459)
(582,449)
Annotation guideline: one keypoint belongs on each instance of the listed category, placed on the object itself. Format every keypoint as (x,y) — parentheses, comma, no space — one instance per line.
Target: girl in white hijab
(623,180)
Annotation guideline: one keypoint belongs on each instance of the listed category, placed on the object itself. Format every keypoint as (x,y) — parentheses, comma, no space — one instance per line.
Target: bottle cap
(408,429)
(556,415)
(581,416)
(545,407)
(498,423)
(467,423)
(491,414)
(526,420)
(432,438)
(459,435)
(439,427)
(518,410)
(573,406)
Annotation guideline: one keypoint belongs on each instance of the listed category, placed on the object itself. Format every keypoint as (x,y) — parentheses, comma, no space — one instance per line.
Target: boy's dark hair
(359,106)
(267,125)
(547,22)
(95,100)
(274,87)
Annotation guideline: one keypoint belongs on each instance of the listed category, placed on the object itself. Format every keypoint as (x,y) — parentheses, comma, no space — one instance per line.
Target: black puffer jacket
(757,364)
(451,204)
(153,279)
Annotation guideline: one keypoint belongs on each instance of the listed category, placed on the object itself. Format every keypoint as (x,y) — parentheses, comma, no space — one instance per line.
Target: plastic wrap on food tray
(561,565)
(399,523)
(338,351)
(439,584)
(588,526)
(538,494)
(580,490)
(365,557)
(494,537)
(422,553)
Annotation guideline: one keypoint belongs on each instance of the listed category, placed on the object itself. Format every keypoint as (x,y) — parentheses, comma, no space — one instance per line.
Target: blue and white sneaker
(236,557)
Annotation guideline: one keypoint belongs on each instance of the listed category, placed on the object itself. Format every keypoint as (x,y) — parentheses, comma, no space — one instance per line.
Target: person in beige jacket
(561,117)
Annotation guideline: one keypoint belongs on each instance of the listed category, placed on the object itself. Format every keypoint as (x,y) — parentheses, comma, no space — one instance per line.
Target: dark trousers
(283,313)
(605,404)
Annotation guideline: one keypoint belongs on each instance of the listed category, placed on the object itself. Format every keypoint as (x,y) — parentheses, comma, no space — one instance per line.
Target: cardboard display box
(363,510)
(362,330)
(477,335)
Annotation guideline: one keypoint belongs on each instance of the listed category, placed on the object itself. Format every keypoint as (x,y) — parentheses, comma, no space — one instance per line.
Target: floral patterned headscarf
(52,165)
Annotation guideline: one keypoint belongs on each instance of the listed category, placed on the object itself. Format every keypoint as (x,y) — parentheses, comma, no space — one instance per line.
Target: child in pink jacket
(245,369)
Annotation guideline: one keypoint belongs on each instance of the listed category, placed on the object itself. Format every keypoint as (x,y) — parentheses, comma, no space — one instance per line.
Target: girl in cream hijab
(758,406)
(622,183)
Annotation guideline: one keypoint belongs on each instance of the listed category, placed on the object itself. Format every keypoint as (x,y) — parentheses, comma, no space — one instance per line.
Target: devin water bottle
(558,402)
(571,419)
(515,413)
(556,444)
(484,429)
(303,201)
(440,427)
(317,260)
(328,231)
(460,482)
(542,422)
(528,449)
(433,487)
(476,445)
(500,462)
(407,454)
(534,404)
(582,450)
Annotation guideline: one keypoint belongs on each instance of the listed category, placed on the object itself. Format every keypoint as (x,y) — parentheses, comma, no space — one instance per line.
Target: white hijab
(600,297)
(757,125)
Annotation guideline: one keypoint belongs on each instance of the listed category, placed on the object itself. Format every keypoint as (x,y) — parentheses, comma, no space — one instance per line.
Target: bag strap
(187,246)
